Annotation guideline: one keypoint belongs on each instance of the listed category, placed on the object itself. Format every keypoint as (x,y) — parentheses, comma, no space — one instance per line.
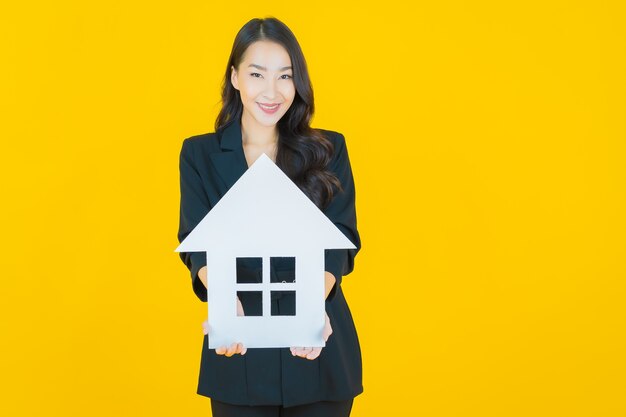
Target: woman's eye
(257,75)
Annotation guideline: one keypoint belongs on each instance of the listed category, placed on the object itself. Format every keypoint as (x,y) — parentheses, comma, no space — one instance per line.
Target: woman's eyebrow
(265,69)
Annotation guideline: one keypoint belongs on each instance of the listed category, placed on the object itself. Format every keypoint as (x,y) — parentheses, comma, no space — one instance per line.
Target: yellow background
(487,140)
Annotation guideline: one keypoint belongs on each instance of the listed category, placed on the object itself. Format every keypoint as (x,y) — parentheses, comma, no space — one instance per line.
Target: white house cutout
(263,218)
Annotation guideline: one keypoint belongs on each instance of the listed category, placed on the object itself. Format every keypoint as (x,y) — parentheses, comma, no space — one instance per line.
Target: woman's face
(265,82)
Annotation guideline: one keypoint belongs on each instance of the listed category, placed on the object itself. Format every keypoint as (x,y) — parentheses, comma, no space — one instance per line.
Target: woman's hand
(235,347)
(313,352)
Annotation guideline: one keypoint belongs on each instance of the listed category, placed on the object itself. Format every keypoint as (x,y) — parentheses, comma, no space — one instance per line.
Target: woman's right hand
(235,347)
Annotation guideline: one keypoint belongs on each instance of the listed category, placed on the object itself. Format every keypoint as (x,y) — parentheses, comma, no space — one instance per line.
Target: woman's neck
(253,133)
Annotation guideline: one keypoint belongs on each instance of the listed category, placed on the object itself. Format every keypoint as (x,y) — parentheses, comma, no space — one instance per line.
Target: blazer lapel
(230,163)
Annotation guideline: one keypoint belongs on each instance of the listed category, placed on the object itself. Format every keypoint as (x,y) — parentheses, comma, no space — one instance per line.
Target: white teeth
(268,107)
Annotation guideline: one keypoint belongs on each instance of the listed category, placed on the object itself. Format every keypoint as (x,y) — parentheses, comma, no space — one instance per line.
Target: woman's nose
(270,89)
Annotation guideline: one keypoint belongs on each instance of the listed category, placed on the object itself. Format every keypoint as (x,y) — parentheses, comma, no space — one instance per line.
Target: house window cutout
(252,302)
(286,305)
(284,269)
(269,280)
(249,270)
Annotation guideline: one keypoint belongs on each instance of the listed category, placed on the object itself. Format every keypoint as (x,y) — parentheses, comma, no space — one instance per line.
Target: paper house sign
(264,217)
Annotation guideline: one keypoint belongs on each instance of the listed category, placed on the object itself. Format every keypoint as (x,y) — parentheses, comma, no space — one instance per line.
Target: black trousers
(317,409)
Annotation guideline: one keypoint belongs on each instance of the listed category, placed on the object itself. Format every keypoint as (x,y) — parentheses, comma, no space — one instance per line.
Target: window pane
(252,302)
(283,269)
(249,270)
(286,305)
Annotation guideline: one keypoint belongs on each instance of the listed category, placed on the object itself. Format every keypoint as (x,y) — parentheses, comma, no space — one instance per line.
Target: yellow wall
(488,145)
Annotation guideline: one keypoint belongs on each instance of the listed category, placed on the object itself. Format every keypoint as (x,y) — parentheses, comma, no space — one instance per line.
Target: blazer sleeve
(194,205)
(341,211)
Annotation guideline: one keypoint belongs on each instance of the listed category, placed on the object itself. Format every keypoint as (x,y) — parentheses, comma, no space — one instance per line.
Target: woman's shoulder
(338,141)
(334,136)
(340,151)
(202,138)
(205,141)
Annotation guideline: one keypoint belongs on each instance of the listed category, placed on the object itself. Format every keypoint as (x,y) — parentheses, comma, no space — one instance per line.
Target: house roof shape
(264,208)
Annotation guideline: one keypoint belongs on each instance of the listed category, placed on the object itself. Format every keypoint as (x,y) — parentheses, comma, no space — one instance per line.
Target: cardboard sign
(264,240)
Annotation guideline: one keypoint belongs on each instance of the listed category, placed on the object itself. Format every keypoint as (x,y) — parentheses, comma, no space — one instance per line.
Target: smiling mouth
(269,108)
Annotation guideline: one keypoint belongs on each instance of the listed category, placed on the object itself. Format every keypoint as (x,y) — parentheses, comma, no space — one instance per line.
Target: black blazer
(209,165)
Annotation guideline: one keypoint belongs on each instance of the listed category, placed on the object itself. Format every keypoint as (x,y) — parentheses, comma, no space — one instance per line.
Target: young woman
(267,103)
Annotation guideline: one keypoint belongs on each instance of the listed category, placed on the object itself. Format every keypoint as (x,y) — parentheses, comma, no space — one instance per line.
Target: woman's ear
(233,77)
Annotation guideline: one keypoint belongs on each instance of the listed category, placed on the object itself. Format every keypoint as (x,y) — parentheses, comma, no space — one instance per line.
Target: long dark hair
(303,152)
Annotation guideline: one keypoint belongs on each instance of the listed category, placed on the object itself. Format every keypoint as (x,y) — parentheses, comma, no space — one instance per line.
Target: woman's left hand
(313,352)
